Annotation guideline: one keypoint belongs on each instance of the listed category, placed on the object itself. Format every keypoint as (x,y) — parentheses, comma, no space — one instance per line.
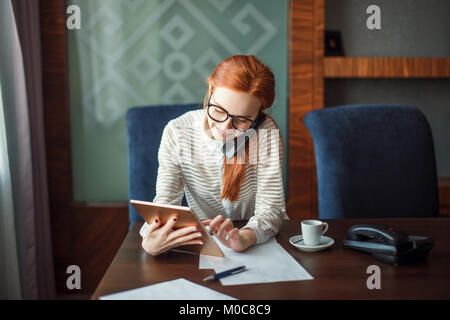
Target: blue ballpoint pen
(225,273)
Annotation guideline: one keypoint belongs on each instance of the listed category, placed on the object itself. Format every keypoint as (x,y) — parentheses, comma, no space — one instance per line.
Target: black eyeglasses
(219,114)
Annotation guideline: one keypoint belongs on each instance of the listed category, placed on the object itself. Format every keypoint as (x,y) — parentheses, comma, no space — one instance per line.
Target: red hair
(249,75)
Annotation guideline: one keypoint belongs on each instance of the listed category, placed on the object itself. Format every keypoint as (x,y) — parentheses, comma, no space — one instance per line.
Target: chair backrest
(374,161)
(145,126)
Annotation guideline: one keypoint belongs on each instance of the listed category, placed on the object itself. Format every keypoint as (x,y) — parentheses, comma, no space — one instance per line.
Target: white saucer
(297,241)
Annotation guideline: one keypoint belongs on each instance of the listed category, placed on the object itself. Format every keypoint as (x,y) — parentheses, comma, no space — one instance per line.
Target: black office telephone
(388,244)
(230,149)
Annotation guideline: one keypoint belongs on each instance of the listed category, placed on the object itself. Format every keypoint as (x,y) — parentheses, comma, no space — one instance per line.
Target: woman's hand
(162,238)
(232,237)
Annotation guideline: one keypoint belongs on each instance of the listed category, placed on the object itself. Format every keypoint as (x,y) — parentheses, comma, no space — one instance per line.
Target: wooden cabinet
(308,70)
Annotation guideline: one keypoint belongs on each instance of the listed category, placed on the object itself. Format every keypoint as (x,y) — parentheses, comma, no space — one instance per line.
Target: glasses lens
(217,113)
(241,123)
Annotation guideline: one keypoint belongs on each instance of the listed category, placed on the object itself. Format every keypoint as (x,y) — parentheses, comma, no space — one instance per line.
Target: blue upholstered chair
(145,126)
(374,161)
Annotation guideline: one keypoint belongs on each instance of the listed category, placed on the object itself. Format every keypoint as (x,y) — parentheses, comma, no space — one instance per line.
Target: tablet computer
(150,210)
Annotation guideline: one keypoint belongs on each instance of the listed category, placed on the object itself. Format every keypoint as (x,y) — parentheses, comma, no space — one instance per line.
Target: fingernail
(208,228)
(200,242)
(194,229)
(218,233)
(227,237)
(199,234)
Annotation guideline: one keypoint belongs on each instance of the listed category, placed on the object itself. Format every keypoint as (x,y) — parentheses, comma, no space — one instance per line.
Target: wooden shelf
(374,67)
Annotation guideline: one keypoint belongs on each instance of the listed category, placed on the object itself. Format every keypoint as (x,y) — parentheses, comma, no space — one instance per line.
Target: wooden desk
(338,273)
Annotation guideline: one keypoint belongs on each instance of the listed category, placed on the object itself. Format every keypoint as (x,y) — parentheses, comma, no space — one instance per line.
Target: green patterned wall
(146,52)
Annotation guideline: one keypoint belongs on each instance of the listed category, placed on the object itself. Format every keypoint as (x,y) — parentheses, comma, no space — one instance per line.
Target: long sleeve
(270,207)
(188,164)
(169,181)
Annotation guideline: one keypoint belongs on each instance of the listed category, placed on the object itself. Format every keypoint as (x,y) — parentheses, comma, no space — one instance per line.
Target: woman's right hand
(162,238)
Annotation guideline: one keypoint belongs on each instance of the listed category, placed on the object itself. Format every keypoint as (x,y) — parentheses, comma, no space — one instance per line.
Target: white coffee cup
(312,230)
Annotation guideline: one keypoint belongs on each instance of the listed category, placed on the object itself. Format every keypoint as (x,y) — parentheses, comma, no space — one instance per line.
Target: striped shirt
(191,163)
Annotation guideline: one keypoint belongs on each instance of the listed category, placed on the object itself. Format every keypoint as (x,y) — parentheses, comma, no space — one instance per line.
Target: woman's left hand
(232,237)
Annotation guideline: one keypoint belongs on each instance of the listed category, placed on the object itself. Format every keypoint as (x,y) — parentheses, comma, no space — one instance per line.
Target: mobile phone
(230,149)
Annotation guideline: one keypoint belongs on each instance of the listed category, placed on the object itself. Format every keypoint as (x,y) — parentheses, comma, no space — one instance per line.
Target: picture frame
(333,43)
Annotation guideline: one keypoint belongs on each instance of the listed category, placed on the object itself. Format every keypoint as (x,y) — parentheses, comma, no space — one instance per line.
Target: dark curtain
(26,147)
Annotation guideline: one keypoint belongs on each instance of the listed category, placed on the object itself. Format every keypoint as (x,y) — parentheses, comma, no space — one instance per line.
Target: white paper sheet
(177,289)
(267,262)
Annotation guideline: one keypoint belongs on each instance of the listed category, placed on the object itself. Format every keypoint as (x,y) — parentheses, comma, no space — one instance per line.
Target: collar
(213,144)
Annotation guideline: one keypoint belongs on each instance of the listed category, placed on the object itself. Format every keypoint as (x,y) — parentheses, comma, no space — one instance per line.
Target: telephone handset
(231,148)
(388,244)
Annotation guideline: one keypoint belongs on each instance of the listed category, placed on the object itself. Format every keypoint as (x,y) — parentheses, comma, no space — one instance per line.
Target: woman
(192,162)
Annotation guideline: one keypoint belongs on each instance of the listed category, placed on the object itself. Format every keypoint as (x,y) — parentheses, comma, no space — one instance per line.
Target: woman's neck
(207,129)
